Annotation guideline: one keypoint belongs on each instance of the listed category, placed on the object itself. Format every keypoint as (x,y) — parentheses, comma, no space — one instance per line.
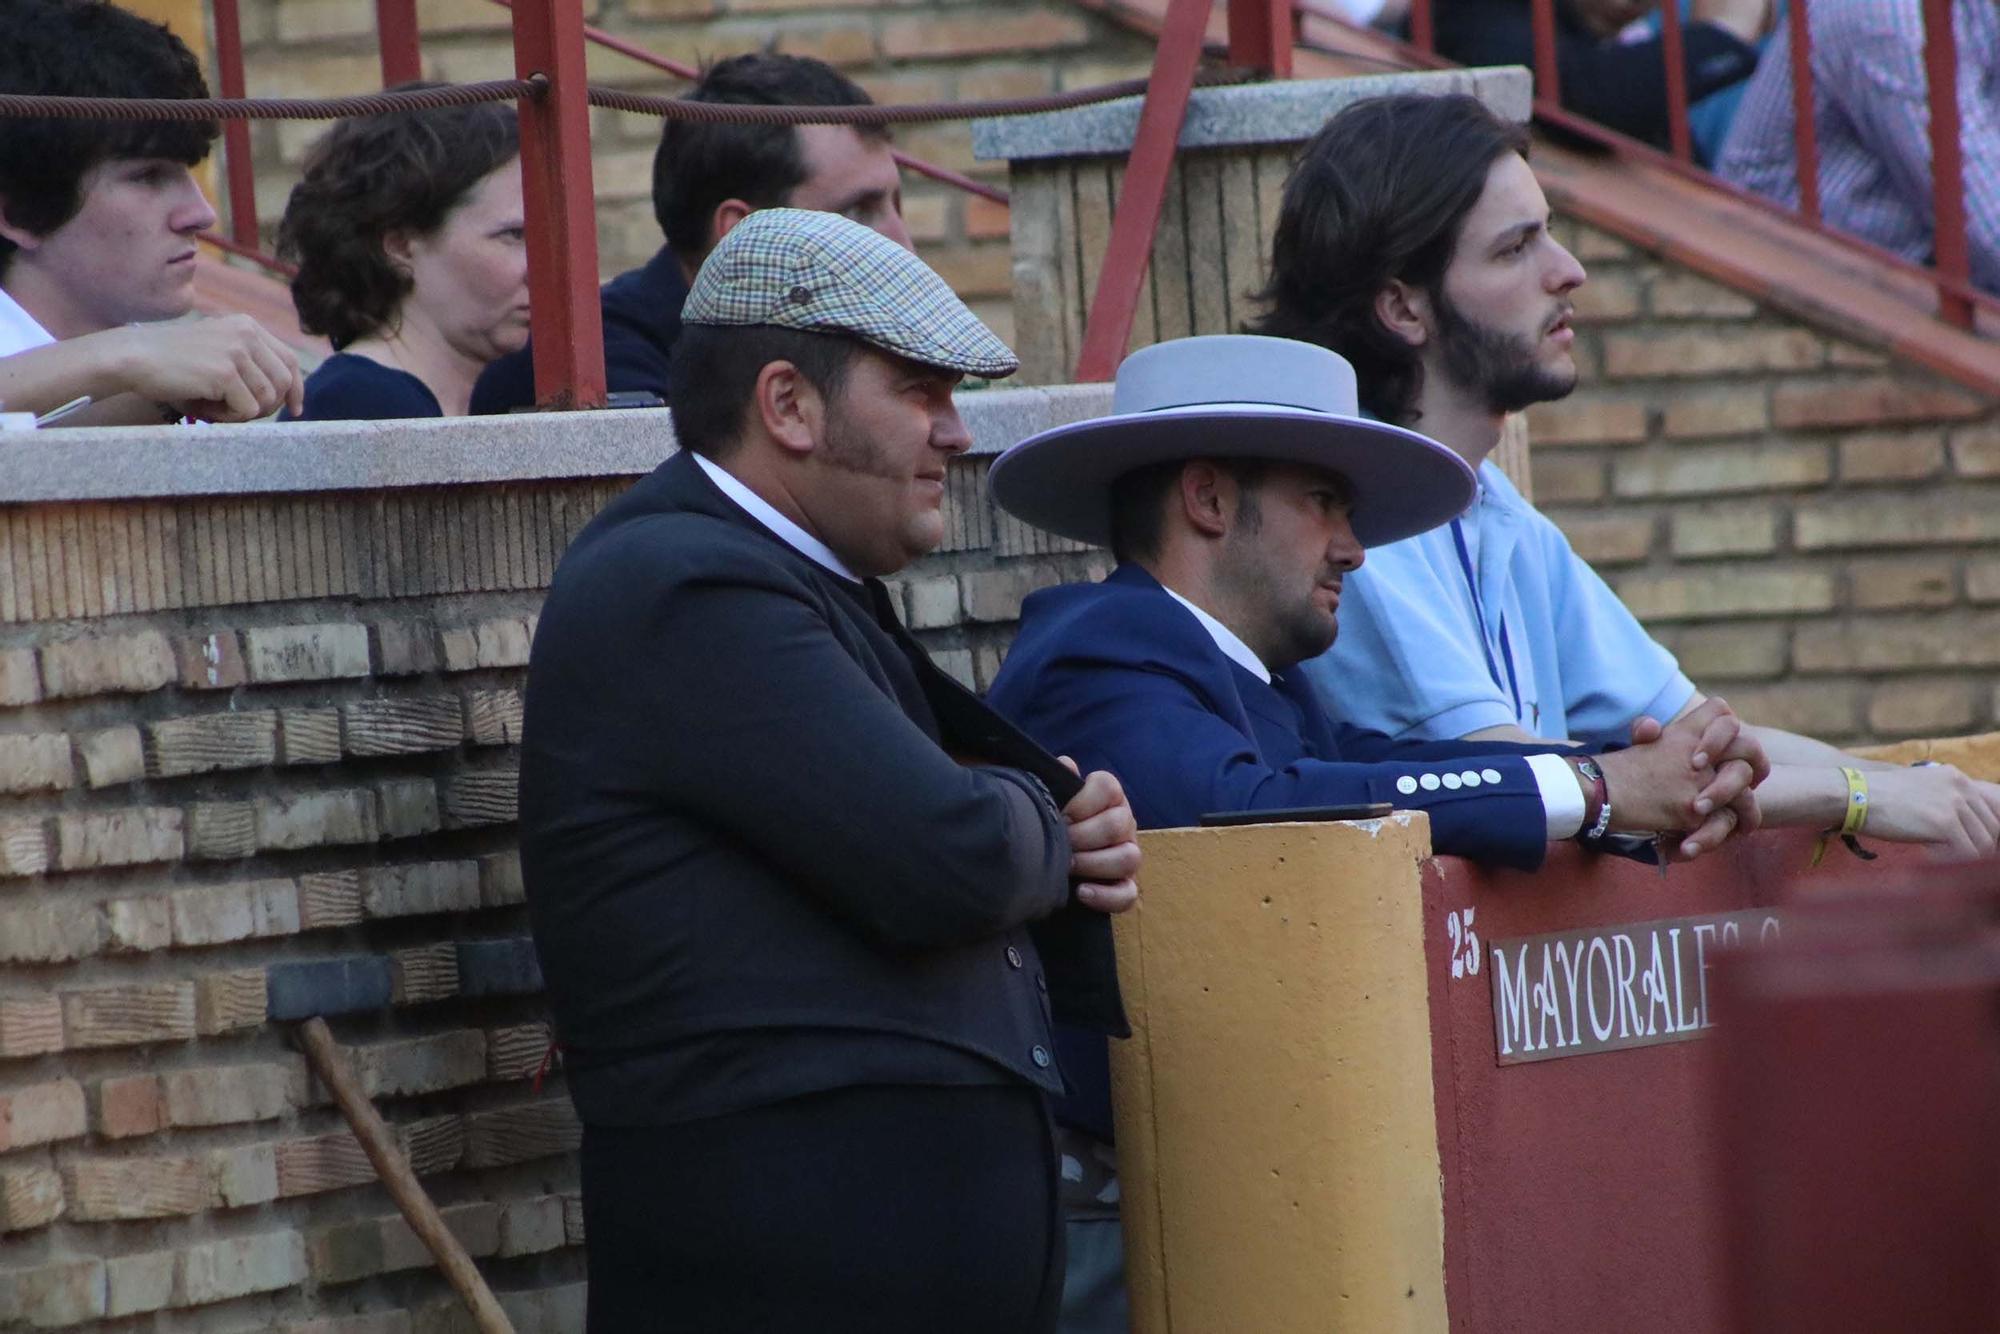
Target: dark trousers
(876,1210)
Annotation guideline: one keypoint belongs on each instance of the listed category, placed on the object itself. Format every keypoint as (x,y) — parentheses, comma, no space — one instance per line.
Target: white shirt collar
(1225,639)
(19,330)
(793,536)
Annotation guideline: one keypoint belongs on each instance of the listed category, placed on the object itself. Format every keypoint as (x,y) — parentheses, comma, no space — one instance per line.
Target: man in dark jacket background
(780,901)
(707,177)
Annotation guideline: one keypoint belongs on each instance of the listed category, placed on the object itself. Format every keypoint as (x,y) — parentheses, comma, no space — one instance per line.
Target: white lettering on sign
(1464,943)
(1604,988)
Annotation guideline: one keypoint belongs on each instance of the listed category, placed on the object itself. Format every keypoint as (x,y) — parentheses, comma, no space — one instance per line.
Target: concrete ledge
(148,462)
(1256,113)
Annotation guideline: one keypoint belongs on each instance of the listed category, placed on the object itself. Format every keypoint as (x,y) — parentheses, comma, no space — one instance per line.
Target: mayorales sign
(1605,988)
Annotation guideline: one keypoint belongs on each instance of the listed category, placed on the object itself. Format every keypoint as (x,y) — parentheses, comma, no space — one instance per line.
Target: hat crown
(823,273)
(1236,370)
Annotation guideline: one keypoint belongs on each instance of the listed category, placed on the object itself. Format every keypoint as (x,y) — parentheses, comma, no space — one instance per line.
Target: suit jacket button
(1040,1056)
(1013,957)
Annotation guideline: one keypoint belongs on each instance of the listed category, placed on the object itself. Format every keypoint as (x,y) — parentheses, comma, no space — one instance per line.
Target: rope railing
(507,90)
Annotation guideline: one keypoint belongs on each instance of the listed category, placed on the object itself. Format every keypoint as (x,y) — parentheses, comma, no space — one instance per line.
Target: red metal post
(1260,36)
(1116,300)
(567,321)
(1948,241)
(1423,32)
(236,164)
(1674,51)
(1805,126)
(402,54)
(1548,83)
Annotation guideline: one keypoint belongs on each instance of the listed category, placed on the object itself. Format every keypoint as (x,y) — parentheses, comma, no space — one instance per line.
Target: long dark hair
(1380,193)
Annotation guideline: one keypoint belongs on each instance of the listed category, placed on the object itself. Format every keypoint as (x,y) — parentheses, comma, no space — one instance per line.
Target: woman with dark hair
(407,231)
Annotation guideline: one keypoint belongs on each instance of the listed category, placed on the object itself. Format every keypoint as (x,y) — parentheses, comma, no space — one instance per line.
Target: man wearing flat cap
(1237,484)
(782,871)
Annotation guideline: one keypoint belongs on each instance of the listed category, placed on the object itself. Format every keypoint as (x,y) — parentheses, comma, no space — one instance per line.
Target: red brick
(1723,410)
(127,1015)
(1744,591)
(1975,450)
(20,681)
(103,1189)
(1895,584)
(987,219)
(129,1105)
(1712,352)
(31,1196)
(1870,401)
(1891,456)
(41,1114)
(1692,470)
(1676,293)
(86,840)
(1000,32)
(30,1025)
(1587,419)
(1610,539)
(1936,707)
(35,762)
(131,664)
(1566,479)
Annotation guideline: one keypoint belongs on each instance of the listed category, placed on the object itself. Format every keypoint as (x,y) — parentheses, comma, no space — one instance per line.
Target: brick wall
(257,761)
(1812,527)
(900,50)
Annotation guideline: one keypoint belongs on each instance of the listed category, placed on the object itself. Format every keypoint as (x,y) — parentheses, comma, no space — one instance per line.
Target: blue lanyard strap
(1511,685)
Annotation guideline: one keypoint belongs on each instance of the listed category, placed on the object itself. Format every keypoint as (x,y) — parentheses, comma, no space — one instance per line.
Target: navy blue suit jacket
(1120,676)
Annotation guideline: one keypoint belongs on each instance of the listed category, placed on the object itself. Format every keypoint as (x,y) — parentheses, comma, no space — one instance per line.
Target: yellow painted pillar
(1277,1133)
(188,20)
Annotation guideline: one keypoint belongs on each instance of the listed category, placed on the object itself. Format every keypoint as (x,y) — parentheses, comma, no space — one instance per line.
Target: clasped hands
(1697,773)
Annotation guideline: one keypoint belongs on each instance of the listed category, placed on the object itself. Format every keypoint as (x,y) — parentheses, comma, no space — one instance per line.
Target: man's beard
(1500,367)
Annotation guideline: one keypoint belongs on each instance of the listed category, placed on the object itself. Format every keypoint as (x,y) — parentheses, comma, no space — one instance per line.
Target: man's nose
(1567,273)
(948,429)
(1344,550)
(192,211)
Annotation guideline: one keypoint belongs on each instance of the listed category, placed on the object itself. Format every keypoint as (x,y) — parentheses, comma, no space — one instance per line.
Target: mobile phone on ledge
(1361,810)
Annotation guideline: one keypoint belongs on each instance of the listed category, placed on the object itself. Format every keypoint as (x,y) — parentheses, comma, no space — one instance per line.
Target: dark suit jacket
(1120,676)
(642,318)
(748,859)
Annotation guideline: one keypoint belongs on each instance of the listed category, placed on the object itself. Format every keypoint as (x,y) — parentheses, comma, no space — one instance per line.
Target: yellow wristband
(1852,821)
(1857,801)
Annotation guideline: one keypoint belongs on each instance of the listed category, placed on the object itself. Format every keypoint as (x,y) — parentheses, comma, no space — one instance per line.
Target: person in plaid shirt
(1871,110)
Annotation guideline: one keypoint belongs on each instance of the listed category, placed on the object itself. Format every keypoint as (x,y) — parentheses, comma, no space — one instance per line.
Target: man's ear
(22,238)
(1405,312)
(790,408)
(1206,495)
(727,214)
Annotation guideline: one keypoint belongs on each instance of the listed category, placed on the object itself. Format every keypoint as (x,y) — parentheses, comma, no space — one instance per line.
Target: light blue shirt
(1409,659)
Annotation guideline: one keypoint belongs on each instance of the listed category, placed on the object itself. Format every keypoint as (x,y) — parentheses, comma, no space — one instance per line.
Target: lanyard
(1511,685)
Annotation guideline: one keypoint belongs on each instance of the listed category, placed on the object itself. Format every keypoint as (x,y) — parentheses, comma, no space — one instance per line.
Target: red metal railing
(1950,274)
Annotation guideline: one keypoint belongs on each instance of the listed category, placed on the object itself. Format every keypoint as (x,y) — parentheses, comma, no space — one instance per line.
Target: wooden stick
(379,1143)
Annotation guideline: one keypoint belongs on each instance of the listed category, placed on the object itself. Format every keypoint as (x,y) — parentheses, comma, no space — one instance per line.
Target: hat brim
(1403,483)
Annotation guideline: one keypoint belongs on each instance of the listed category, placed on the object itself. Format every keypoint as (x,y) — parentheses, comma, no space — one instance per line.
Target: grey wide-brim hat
(1233,396)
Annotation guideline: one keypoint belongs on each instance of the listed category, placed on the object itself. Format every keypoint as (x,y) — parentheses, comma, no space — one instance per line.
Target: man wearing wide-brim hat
(785,926)
(1236,483)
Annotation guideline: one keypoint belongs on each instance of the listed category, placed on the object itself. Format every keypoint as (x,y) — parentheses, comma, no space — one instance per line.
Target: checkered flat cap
(823,273)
